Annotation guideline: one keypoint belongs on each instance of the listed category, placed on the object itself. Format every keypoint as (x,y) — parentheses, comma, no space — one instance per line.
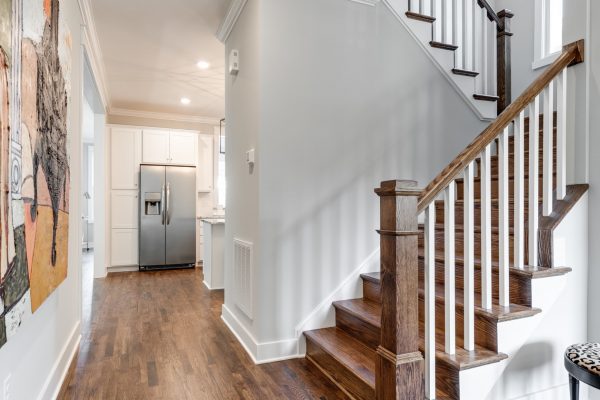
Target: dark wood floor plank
(159,335)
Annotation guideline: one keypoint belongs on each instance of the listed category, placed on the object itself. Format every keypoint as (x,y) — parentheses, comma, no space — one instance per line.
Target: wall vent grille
(243,275)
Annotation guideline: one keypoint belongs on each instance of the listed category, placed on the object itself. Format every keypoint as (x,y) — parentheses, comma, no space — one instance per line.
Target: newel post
(503,60)
(399,367)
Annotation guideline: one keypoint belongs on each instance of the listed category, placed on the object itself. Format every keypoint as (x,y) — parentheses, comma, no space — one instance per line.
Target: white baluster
(468,34)
(486,229)
(484,51)
(438,24)
(426,7)
(458,33)
(548,148)
(477,47)
(534,172)
(447,11)
(561,135)
(449,269)
(503,205)
(430,301)
(519,192)
(494,58)
(469,258)
(413,6)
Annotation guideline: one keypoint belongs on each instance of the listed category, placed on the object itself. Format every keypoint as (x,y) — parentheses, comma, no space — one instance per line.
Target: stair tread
(497,313)
(485,97)
(528,271)
(444,46)
(370,312)
(464,72)
(358,358)
(420,17)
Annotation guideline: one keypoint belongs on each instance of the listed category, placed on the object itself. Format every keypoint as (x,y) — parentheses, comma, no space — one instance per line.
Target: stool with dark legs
(582,361)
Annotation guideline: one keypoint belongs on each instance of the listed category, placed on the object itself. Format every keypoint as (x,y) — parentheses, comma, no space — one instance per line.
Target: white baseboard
(53,384)
(321,317)
(260,353)
(211,288)
(127,268)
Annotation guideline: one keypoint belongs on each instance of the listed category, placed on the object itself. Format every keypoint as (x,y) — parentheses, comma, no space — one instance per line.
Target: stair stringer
(536,345)
(443,60)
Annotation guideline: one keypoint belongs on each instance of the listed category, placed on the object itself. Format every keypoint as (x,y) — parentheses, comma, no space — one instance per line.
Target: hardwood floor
(158,335)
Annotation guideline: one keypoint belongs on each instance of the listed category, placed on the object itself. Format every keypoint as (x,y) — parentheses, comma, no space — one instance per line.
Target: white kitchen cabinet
(124,205)
(182,148)
(124,247)
(204,172)
(125,158)
(155,146)
(163,146)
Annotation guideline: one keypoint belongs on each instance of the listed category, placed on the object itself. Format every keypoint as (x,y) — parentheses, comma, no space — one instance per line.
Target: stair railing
(470,26)
(399,371)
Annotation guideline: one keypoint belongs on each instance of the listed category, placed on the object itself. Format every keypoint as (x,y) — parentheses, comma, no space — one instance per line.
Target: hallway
(159,336)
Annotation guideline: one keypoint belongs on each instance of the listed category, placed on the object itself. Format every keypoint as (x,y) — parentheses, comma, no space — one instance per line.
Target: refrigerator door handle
(162,204)
(168,203)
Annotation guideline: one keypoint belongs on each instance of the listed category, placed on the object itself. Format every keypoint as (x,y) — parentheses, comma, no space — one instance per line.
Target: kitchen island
(214,253)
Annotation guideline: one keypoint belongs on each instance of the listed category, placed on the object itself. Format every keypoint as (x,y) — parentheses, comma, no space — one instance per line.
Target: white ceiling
(150,49)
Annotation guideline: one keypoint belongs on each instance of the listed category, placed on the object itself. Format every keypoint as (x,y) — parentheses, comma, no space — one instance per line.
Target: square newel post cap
(399,187)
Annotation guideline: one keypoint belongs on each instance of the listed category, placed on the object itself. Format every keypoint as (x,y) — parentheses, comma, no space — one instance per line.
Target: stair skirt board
(443,59)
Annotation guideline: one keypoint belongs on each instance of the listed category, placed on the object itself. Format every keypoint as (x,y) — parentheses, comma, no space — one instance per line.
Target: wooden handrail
(572,54)
(491,13)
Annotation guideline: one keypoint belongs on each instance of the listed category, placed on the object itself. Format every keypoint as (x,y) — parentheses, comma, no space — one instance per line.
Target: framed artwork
(35,69)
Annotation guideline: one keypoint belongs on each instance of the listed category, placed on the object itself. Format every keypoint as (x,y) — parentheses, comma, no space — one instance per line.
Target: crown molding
(122,112)
(367,2)
(233,13)
(92,45)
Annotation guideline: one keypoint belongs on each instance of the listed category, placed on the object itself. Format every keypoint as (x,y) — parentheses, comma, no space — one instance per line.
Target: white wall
(242,114)
(37,356)
(347,99)
(594,149)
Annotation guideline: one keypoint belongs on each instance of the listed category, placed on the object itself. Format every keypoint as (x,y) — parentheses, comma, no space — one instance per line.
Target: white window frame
(542,55)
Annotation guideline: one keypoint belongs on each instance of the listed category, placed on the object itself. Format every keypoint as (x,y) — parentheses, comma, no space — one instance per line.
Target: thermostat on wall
(250,156)
(234,62)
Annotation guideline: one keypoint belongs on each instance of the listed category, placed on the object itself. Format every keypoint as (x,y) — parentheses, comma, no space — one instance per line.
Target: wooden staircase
(349,352)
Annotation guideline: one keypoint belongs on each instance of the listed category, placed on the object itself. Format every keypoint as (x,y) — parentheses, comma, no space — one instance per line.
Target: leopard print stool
(582,361)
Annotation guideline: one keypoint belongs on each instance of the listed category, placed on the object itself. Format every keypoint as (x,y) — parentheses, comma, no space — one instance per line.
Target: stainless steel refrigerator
(167,217)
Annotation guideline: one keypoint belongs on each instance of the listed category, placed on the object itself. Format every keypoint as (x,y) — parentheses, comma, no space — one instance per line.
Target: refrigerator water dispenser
(152,203)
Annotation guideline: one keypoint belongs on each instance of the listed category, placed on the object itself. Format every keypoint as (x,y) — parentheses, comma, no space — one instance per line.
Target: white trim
(212,288)
(544,62)
(260,353)
(126,268)
(367,2)
(94,53)
(57,376)
(122,112)
(322,316)
(233,13)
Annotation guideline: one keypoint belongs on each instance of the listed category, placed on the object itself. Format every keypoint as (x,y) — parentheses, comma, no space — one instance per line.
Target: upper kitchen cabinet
(155,146)
(160,146)
(125,158)
(204,174)
(183,147)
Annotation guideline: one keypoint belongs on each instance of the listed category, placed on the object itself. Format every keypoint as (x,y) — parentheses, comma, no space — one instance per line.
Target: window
(548,31)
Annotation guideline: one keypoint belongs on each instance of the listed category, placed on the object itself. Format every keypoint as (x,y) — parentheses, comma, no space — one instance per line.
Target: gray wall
(594,149)
(242,113)
(347,99)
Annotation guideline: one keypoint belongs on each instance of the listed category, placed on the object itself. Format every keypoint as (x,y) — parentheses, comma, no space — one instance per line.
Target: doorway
(93,127)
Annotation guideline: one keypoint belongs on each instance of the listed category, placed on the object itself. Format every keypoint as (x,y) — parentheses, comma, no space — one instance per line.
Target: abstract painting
(35,66)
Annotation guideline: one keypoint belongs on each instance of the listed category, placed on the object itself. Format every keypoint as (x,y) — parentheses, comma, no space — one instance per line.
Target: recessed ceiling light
(203,65)
(185,100)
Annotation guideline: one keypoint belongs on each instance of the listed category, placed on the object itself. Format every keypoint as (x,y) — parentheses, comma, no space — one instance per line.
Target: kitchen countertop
(213,221)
